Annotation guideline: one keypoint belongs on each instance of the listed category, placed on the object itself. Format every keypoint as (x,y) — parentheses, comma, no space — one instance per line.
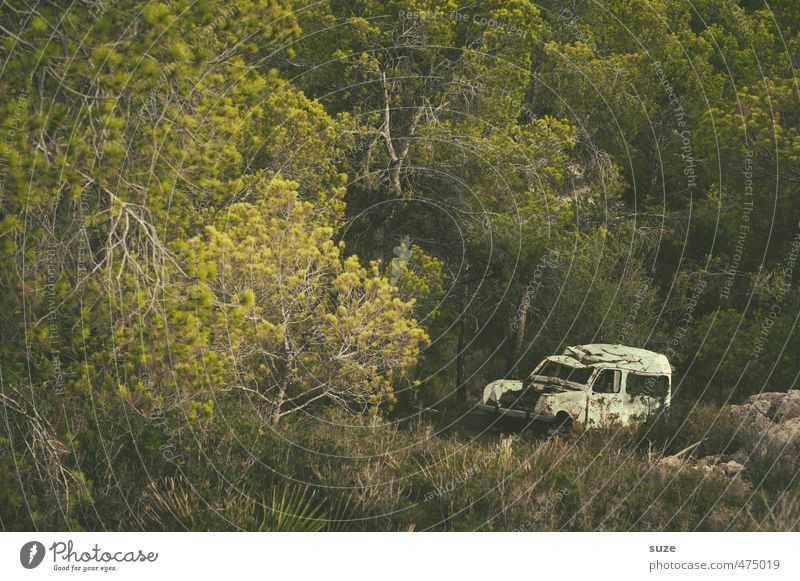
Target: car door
(606,403)
(637,403)
(646,392)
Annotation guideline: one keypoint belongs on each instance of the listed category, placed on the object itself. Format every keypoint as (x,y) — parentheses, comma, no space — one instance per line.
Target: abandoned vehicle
(591,385)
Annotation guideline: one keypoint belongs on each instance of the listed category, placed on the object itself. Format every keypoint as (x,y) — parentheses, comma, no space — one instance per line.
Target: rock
(783,437)
(707,464)
(760,403)
(770,427)
(762,410)
(731,468)
(786,407)
(750,416)
(739,409)
(718,463)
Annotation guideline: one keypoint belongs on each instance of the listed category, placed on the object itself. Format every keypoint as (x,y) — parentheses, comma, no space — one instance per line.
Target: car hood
(493,391)
(545,385)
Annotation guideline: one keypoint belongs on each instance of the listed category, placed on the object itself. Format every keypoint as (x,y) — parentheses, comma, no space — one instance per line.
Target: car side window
(648,385)
(607,381)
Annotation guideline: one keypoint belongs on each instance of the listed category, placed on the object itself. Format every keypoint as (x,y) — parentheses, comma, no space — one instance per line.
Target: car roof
(620,357)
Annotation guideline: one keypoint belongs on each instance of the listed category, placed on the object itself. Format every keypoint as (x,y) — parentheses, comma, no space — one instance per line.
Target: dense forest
(259,257)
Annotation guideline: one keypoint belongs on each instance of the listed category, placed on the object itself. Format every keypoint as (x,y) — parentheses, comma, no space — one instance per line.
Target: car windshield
(566,372)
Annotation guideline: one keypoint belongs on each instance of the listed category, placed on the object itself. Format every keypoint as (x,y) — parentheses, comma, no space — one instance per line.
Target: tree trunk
(532,105)
(519,338)
(283,386)
(276,408)
(378,228)
(461,374)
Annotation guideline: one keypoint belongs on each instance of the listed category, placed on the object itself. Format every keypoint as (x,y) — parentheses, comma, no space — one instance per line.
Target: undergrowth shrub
(686,424)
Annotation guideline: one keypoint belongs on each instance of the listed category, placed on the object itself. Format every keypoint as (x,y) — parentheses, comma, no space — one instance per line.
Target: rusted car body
(591,385)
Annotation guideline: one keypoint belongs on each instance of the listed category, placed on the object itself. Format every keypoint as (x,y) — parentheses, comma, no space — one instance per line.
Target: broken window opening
(560,371)
(656,386)
(607,381)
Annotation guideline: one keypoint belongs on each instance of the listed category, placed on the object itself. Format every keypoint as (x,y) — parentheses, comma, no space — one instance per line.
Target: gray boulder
(760,403)
(783,437)
(786,407)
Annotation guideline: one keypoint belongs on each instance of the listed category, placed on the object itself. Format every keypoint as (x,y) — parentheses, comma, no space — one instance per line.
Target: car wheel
(563,423)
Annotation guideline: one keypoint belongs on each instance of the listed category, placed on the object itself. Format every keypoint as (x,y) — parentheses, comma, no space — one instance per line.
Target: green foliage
(299,323)
(219,218)
(174,504)
(740,354)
